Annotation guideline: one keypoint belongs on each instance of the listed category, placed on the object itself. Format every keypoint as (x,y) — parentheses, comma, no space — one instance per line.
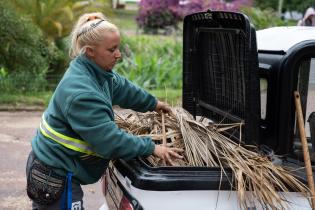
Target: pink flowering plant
(193,6)
(154,14)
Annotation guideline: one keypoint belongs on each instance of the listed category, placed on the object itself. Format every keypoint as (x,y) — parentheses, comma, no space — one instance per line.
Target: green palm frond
(56,17)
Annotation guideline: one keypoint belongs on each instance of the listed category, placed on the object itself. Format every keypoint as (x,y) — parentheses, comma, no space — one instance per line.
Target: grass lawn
(125,20)
(25,99)
(41,100)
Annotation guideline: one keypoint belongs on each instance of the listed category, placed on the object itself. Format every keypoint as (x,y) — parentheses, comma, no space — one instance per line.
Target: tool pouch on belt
(44,186)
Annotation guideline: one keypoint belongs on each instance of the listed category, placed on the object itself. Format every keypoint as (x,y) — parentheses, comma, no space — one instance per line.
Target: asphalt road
(16,132)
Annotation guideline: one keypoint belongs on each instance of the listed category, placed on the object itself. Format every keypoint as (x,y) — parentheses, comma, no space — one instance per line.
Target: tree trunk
(280,5)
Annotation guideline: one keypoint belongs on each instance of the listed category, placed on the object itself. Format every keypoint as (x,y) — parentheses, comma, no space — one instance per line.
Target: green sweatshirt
(81,108)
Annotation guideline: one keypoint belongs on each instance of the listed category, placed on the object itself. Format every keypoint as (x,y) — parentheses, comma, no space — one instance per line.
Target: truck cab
(230,74)
(286,63)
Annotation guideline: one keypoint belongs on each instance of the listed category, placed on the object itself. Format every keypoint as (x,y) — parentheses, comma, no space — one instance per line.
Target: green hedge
(23,47)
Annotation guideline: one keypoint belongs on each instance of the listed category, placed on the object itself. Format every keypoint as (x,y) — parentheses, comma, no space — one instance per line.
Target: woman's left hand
(164,107)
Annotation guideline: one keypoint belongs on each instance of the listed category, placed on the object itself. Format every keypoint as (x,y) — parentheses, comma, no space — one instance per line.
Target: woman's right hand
(166,153)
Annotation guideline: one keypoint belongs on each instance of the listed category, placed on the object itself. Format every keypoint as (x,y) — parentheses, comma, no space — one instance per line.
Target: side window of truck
(310,107)
(306,87)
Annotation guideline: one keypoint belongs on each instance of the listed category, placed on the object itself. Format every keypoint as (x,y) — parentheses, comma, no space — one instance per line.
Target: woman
(77,135)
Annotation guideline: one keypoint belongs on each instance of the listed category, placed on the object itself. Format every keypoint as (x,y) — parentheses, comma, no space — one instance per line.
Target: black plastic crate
(220,75)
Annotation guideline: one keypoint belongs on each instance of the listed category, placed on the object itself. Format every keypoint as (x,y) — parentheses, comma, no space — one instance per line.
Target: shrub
(22,45)
(21,82)
(155,14)
(58,57)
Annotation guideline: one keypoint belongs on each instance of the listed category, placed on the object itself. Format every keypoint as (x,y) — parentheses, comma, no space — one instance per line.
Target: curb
(18,108)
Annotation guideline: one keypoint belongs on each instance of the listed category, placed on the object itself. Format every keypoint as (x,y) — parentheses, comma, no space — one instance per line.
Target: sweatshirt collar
(95,69)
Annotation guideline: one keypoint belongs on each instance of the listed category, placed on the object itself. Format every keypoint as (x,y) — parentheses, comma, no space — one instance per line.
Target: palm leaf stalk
(205,145)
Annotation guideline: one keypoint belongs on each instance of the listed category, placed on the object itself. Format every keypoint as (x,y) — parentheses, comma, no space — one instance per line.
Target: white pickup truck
(227,77)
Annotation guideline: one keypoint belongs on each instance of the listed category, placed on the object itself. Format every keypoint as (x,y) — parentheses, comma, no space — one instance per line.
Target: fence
(26,82)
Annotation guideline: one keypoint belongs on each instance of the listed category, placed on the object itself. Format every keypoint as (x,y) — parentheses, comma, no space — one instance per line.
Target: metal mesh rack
(221,70)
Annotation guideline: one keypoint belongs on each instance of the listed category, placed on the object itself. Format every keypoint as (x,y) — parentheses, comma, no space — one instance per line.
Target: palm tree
(55,17)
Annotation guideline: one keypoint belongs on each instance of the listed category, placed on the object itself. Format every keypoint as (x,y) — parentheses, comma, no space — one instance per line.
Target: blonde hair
(88,32)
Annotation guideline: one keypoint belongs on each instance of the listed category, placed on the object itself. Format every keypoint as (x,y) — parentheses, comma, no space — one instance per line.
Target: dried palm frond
(205,145)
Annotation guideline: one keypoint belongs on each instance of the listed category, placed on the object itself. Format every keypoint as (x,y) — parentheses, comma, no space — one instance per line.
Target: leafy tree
(262,19)
(288,5)
(298,5)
